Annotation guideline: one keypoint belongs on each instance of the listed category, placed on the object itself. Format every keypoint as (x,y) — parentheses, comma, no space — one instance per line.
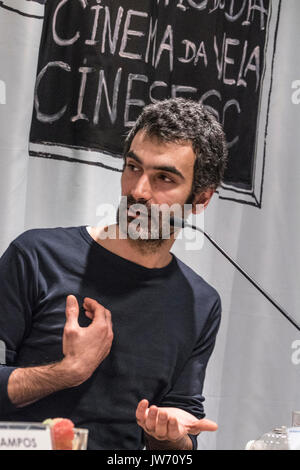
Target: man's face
(157,173)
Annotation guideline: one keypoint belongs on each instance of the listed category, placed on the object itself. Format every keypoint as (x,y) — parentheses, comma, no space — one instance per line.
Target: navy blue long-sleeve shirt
(165,322)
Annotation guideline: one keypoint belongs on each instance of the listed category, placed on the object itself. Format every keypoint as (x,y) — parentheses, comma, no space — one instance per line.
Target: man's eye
(131,167)
(166,179)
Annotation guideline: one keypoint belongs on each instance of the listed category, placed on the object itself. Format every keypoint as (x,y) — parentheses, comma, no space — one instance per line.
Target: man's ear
(201,200)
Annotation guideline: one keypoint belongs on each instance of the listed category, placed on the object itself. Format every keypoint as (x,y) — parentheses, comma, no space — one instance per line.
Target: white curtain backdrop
(252,381)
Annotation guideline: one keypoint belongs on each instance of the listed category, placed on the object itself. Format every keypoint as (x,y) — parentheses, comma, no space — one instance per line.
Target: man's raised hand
(85,348)
(170,424)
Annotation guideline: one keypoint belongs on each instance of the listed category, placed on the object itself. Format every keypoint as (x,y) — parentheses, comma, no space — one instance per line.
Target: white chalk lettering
(201,53)
(112,110)
(190,52)
(231,16)
(233,10)
(154,85)
(252,8)
(223,61)
(234,63)
(180,5)
(219,58)
(151,41)
(130,32)
(254,67)
(241,81)
(48,118)
(131,101)
(205,97)
(107,30)
(92,41)
(199,6)
(57,39)
(166,46)
(179,89)
(229,104)
(228,60)
(80,115)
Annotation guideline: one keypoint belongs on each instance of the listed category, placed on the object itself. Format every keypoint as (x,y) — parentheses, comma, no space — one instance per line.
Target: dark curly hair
(177,120)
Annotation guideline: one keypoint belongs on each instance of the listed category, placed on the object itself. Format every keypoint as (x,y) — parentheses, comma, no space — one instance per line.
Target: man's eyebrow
(167,168)
(131,154)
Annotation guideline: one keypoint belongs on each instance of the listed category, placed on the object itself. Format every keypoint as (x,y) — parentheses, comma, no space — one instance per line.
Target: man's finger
(107,316)
(173,429)
(96,310)
(141,411)
(109,322)
(89,314)
(151,420)
(203,425)
(72,310)
(90,304)
(161,430)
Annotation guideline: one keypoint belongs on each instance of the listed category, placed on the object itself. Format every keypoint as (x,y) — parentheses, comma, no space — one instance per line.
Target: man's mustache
(145,210)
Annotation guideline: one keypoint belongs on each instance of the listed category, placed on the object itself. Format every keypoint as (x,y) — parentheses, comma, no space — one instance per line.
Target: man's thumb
(203,425)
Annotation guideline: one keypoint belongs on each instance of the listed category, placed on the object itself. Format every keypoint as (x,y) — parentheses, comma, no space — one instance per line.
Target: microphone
(181,223)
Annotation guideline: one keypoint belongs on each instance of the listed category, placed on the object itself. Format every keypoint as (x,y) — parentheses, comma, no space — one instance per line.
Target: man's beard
(150,228)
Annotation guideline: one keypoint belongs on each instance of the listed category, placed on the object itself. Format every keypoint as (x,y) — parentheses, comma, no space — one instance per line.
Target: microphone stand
(180,223)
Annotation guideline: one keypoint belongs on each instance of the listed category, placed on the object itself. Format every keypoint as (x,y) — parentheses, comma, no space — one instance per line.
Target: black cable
(180,223)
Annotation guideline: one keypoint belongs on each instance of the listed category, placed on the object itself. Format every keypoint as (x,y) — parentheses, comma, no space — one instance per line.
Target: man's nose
(142,189)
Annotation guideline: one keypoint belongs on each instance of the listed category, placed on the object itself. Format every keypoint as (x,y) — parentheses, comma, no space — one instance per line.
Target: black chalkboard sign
(26,8)
(101,61)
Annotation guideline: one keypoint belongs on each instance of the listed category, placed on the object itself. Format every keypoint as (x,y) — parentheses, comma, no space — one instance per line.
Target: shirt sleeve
(15,314)
(186,393)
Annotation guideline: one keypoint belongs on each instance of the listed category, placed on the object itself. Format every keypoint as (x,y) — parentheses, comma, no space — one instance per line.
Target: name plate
(294,438)
(25,436)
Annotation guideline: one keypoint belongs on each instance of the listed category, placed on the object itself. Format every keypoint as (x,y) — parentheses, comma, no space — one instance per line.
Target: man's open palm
(170,424)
